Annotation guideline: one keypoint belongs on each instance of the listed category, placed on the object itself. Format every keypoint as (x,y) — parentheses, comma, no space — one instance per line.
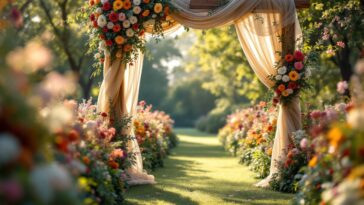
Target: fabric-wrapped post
(119,93)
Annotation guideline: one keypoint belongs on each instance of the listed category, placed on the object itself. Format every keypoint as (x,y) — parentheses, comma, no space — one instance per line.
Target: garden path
(199,171)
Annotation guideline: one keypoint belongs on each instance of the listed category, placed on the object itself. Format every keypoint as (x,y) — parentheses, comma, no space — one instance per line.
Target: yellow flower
(285,93)
(118,4)
(357,172)
(158,7)
(335,136)
(313,161)
(293,75)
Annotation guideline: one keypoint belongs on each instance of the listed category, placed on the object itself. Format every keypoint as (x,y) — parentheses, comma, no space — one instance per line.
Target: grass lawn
(199,171)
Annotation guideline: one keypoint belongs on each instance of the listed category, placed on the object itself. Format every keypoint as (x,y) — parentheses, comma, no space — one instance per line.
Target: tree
(154,83)
(227,72)
(57,20)
(335,31)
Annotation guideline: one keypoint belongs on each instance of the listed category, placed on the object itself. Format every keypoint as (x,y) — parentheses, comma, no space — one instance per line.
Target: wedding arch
(267,31)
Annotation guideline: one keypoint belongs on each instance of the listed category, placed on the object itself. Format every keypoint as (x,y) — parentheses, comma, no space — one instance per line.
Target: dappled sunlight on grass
(199,171)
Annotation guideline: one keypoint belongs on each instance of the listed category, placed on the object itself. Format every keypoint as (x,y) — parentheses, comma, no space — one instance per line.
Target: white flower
(136,2)
(129,32)
(282,70)
(308,73)
(47,179)
(290,91)
(126,24)
(9,148)
(278,77)
(265,135)
(104,1)
(101,21)
(154,16)
(97,55)
(355,118)
(99,10)
(285,78)
(102,45)
(137,10)
(122,17)
(110,25)
(133,20)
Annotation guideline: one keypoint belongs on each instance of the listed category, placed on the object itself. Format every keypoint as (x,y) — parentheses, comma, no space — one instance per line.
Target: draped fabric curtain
(259,24)
(119,94)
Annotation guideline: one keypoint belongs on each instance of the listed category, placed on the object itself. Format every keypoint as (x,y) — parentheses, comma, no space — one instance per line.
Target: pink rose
(304,143)
(298,65)
(342,86)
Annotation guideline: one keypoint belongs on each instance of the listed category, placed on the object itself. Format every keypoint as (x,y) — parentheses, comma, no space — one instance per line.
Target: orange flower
(127,48)
(146,13)
(293,75)
(166,10)
(285,93)
(146,1)
(118,4)
(269,151)
(113,164)
(127,5)
(335,136)
(289,58)
(86,160)
(281,87)
(158,7)
(91,2)
(119,40)
(313,161)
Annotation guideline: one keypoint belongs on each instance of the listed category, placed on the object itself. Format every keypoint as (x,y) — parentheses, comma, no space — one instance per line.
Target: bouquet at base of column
(292,76)
(120,25)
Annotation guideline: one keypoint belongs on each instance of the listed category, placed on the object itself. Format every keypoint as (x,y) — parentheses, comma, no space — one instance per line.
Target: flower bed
(249,133)
(61,152)
(153,130)
(324,164)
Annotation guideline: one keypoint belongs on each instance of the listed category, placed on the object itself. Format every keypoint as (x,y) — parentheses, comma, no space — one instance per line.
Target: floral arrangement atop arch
(291,78)
(118,26)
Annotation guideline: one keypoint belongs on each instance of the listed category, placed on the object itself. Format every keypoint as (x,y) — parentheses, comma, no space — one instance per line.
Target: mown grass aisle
(199,171)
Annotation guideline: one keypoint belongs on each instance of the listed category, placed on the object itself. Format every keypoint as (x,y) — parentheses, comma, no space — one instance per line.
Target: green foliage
(187,101)
(154,82)
(213,121)
(333,35)
(221,60)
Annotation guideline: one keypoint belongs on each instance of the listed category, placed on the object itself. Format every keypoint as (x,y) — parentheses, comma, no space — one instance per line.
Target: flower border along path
(199,171)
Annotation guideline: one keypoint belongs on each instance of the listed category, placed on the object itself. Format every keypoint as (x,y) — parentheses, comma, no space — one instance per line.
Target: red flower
(105,30)
(103,114)
(114,17)
(102,36)
(116,28)
(135,26)
(106,6)
(95,24)
(289,58)
(299,56)
(92,17)
(292,85)
(141,33)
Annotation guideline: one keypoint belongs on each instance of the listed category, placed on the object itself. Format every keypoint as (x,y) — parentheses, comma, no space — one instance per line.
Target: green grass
(199,171)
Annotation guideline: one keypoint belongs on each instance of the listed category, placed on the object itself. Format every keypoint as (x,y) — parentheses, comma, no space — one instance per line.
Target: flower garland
(119,25)
(291,78)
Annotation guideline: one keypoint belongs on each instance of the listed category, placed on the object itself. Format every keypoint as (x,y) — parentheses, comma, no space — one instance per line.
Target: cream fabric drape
(263,52)
(119,91)
(258,24)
